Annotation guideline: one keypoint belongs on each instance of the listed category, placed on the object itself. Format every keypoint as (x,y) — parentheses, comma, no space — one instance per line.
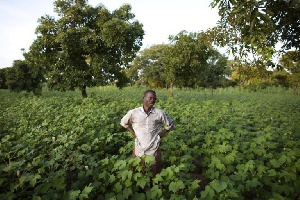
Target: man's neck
(147,109)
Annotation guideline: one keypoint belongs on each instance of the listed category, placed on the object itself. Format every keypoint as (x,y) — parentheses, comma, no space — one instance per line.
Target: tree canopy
(21,77)
(148,68)
(291,63)
(85,46)
(256,26)
(3,72)
(193,61)
(189,61)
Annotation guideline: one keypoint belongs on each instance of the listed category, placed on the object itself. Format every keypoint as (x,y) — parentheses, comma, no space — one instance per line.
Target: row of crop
(64,148)
(254,152)
(68,148)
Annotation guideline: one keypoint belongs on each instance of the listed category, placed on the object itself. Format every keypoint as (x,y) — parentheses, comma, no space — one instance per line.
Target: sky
(160,19)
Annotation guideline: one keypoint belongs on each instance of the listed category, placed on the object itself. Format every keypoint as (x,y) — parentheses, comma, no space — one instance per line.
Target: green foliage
(85,46)
(291,63)
(190,62)
(60,146)
(148,67)
(260,24)
(24,77)
(253,30)
(193,62)
(3,72)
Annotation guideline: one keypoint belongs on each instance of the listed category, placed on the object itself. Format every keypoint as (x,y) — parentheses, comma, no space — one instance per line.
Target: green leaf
(87,190)
(137,176)
(110,196)
(105,161)
(10,166)
(272,172)
(208,193)
(128,183)
(216,162)
(274,163)
(43,188)
(118,187)
(252,183)
(125,174)
(138,196)
(59,183)
(34,179)
(36,198)
(154,193)
(104,175)
(157,179)
(126,193)
(2,180)
(232,193)
(194,185)
(150,160)
(164,172)
(22,179)
(73,194)
(176,186)
(112,178)
(289,176)
(142,182)
(85,193)
(277,196)
(218,186)
(136,161)
(120,164)
(282,159)
(172,159)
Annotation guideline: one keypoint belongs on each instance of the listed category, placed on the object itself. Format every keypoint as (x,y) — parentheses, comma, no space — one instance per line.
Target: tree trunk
(171,89)
(83,91)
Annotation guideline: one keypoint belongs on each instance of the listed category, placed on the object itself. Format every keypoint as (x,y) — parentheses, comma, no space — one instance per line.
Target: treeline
(90,46)
(185,64)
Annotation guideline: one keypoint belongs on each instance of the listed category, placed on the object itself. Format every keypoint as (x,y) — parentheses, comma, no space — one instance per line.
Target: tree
(216,71)
(191,61)
(85,46)
(280,77)
(3,73)
(255,27)
(253,77)
(21,77)
(241,72)
(149,68)
(290,61)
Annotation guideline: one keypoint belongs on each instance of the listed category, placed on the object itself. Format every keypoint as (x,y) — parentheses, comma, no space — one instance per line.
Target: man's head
(149,98)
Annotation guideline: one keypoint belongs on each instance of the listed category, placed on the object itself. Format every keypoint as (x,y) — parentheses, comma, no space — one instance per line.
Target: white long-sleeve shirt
(147,128)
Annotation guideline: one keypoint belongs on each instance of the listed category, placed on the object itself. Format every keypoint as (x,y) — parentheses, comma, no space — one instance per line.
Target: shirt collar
(151,111)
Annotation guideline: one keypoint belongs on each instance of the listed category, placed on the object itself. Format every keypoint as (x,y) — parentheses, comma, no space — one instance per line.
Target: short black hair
(149,91)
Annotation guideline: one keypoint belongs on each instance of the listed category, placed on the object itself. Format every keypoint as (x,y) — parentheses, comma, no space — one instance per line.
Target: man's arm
(125,122)
(129,128)
(169,124)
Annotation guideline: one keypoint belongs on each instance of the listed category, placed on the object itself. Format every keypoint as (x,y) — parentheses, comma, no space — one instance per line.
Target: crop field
(230,145)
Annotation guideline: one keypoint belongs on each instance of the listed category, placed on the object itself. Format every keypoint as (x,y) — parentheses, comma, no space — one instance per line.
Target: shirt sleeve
(126,120)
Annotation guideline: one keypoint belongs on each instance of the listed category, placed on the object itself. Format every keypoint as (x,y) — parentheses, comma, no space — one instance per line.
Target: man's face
(149,99)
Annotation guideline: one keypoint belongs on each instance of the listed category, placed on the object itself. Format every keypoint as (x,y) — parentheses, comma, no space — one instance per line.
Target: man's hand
(163,132)
(131,131)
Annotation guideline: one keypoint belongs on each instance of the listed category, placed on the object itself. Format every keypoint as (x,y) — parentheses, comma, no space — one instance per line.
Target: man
(148,125)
